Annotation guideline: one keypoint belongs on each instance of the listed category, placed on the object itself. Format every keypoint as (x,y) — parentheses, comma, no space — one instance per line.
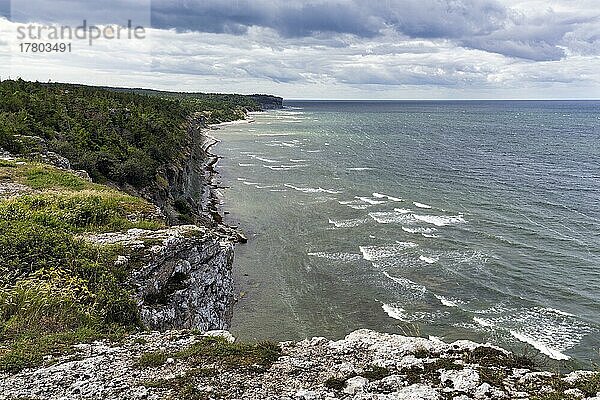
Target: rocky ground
(364,365)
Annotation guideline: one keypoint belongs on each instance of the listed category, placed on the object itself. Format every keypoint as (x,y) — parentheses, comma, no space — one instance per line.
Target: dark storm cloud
(479,24)
(488,25)
(293,18)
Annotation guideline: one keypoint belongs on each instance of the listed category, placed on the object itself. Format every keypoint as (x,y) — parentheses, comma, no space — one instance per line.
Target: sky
(322,49)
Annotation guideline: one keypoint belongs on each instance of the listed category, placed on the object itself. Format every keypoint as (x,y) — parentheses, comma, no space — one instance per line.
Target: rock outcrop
(364,365)
(182,276)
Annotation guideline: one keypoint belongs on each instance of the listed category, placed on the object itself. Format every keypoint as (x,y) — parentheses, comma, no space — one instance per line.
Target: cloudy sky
(344,49)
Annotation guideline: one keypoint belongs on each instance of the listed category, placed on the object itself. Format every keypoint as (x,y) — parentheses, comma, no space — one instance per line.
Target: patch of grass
(589,385)
(29,350)
(258,356)
(430,372)
(422,353)
(40,176)
(152,359)
(183,387)
(493,376)
(488,357)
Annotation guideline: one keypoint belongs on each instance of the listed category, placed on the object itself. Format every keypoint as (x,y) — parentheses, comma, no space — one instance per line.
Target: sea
(471,220)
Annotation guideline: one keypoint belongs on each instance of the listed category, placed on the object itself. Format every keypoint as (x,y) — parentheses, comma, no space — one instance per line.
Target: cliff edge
(364,365)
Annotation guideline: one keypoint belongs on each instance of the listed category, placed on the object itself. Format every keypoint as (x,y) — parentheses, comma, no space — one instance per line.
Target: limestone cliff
(181,276)
(366,365)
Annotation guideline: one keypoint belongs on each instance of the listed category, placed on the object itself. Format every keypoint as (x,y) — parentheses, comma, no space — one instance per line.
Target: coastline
(185,359)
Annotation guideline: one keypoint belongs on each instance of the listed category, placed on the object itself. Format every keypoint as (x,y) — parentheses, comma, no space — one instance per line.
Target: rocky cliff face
(184,189)
(182,276)
(365,365)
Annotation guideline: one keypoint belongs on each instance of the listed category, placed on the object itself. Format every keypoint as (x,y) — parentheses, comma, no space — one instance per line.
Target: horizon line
(466,99)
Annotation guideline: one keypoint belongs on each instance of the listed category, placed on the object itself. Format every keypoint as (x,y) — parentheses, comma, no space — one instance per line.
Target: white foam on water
(403,210)
(418,230)
(386,196)
(312,190)
(391,217)
(337,256)
(241,179)
(407,283)
(251,183)
(265,186)
(395,312)
(550,352)
(427,235)
(429,260)
(284,167)
(278,190)
(358,206)
(245,165)
(312,151)
(369,200)
(483,322)
(439,220)
(359,169)
(546,330)
(267,160)
(373,253)
(347,223)
(445,301)
(421,205)
(273,134)
(297,160)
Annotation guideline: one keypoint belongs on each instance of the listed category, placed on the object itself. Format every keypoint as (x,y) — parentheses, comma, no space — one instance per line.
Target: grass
(30,350)
(488,356)
(217,350)
(259,356)
(589,386)
(56,288)
(206,357)
(152,359)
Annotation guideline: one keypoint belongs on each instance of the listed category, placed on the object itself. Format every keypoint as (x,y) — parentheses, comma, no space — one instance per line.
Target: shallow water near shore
(462,220)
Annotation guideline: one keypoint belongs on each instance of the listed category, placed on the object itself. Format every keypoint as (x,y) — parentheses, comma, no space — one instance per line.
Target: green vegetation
(57,289)
(211,350)
(119,135)
(258,356)
(553,387)
(203,356)
(152,359)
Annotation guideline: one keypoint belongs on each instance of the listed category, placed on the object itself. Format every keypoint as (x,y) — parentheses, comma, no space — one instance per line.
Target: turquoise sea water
(476,220)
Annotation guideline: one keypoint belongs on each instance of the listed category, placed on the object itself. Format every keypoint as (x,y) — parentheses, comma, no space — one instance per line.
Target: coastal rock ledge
(363,365)
(182,276)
